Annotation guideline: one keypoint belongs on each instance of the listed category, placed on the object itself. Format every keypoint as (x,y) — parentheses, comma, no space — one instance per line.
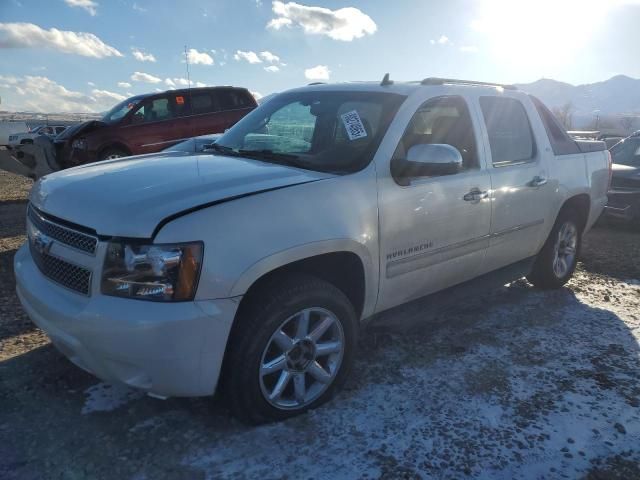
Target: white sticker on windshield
(353,125)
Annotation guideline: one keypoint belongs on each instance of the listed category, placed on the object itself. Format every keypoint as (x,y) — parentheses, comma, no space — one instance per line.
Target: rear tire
(558,258)
(291,350)
(112,153)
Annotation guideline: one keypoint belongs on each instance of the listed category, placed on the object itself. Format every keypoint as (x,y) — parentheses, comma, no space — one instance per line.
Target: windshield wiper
(221,149)
(270,155)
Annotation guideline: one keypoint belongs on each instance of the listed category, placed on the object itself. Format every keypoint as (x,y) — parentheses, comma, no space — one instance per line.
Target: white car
(252,266)
(28,137)
(8,128)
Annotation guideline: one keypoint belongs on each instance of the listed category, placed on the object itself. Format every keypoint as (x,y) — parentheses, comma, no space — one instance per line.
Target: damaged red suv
(152,122)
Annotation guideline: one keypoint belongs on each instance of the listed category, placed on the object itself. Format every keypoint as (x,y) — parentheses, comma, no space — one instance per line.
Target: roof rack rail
(317,83)
(443,81)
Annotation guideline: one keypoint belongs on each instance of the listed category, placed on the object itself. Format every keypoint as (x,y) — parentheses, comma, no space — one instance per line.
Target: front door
(434,231)
(153,126)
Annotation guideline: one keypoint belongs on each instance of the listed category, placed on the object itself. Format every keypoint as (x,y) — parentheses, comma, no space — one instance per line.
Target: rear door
(153,126)
(234,104)
(521,193)
(203,117)
(434,231)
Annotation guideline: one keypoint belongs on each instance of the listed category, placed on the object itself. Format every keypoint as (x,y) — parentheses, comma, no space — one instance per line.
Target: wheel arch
(343,263)
(118,145)
(580,203)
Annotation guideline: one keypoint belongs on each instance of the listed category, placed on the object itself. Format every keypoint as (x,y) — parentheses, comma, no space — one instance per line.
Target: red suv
(152,122)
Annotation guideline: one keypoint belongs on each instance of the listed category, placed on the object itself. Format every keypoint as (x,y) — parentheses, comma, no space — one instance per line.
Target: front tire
(558,258)
(291,350)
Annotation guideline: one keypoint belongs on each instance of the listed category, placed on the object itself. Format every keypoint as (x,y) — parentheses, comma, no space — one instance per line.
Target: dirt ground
(517,384)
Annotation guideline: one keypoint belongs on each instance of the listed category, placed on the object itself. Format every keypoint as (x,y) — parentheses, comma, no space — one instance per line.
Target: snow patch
(105,397)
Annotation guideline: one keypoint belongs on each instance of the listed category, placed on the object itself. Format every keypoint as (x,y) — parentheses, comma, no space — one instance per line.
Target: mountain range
(616,96)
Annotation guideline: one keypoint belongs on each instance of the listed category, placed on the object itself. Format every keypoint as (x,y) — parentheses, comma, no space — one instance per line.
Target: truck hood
(130,197)
(75,130)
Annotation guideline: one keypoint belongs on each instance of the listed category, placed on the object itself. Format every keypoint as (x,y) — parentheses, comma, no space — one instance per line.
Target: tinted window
(203,103)
(510,137)
(443,120)
(561,142)
(233,99)
(153,111)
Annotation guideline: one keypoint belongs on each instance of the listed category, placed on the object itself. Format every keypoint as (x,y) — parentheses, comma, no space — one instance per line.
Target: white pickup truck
(250,268)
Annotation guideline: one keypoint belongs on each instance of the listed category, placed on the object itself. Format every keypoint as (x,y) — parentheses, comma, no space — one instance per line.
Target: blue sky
(89,61)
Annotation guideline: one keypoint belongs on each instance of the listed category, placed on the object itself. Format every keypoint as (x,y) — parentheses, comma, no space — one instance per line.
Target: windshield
(328,131)
(121,109)
(627,152)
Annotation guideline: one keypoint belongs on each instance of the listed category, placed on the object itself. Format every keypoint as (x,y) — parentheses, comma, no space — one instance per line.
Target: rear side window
(510,137)
(234,99)
(203,103)
(561,142)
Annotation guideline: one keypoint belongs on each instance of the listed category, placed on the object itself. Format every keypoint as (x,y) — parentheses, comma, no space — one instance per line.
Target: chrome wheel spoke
(283,341)
(328,348)
(321,328)
(282,383)
(274,365)
(319,373)
(303,324)
(299,387)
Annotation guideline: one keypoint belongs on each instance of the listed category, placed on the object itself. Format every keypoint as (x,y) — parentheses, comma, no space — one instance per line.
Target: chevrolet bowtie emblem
(42,243)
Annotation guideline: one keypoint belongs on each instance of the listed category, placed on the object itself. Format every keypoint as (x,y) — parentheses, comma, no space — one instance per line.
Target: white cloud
(251,57)
(269,57)
(89,5)
(29,35)
(319,72)
(181,82)
(200,84)
(272,68)
(91,84)
(199,58)
(138,8)
(169,82)
(443,40)
(257,95)
(469,49)
(40,94)
(141,56)
(343,24)
(145,77)
(107,95)
(124,84)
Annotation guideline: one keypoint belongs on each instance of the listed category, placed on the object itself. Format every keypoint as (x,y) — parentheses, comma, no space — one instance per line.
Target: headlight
(163,273)
(80,143)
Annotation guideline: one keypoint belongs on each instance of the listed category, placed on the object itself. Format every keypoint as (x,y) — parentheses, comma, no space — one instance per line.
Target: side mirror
(428,160)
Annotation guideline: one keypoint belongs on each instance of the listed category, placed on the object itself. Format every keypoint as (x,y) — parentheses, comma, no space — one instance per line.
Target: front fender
(302,252)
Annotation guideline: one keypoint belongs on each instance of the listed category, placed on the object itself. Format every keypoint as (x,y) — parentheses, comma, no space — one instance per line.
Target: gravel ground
(519,384)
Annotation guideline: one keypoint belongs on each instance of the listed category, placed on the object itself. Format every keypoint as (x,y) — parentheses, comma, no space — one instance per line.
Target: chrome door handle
(475,195)
(537,181)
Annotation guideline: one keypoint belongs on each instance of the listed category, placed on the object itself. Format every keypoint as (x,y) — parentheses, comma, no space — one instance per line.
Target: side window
(627,152)
(59,130)
(442,120)
(561,142)
(510,136)
(232,100)
(203,103)
(153,111)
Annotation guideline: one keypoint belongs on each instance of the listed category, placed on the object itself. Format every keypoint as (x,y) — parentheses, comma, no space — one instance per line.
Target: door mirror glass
(432,160)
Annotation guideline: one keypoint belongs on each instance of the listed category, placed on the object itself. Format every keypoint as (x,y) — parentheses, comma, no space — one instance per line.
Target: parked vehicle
(26,138)
(152,122)
(624,194)
(252,267)
(10,128)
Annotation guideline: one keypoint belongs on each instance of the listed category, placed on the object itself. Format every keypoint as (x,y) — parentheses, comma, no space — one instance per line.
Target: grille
(66,274)
(73,238)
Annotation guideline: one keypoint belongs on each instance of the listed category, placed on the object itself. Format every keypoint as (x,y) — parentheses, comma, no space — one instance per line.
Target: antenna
(186,60)
(385,81)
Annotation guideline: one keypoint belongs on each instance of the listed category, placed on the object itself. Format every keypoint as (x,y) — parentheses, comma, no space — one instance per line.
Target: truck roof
(409,87)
